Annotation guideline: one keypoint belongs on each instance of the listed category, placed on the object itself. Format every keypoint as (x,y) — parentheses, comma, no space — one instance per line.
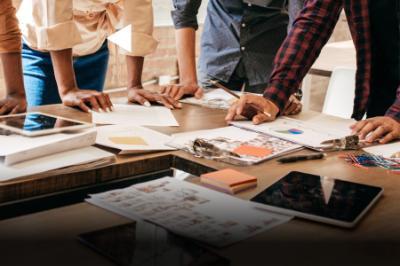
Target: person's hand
(177,91)
(245,106)
(144,97)
(87,100)
(382,128)
(13,104)
(293,107)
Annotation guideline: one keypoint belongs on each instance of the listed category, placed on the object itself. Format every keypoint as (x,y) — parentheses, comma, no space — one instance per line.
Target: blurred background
(163,61)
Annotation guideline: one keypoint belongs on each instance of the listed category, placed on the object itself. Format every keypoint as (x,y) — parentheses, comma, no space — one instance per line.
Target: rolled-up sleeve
(10,35)
(185,12)
(49,24)
(139,14)
(394,110)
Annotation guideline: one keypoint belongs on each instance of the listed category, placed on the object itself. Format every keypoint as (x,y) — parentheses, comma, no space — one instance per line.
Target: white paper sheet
(215,98)
(386,150)
(118,137)
(309,131)
(231,138)
(190,210)
(52,162)
(16,148)
(136,115)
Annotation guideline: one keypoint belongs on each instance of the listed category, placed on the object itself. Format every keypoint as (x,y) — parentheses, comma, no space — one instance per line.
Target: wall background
(163,61)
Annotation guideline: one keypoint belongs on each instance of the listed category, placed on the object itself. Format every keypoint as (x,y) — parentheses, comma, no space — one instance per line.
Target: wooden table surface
(49,237)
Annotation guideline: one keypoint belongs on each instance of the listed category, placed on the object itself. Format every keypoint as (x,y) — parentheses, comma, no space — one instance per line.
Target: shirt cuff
(58,37)
(184,21)
(278,94)
(394,112)
(142,45)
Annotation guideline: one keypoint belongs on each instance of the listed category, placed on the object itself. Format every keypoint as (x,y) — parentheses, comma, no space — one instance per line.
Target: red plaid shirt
(310,32)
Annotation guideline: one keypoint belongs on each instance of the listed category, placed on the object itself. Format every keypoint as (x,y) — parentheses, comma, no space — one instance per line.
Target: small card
(248,150)
(229,177)
(128,141)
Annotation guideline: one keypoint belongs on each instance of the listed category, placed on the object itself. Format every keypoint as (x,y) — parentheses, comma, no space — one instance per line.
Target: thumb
(261,118)
(199,93)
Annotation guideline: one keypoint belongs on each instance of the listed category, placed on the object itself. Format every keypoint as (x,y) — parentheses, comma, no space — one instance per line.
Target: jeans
(40,83)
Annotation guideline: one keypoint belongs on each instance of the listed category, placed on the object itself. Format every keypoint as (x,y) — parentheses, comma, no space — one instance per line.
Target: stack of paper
(132,139)
(228,180)
(64,162)
(309,132)
(190,210)
(234,145)
(391,150)
(17,148)
(137,115)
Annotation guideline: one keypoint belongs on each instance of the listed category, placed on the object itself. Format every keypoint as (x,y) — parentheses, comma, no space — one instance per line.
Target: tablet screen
(33,122)
(319,196)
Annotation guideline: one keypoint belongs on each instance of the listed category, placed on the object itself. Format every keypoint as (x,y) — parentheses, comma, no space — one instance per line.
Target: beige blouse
(10,36)
(84,25)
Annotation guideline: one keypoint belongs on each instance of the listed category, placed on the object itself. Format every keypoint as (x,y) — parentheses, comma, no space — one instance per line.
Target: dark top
(246,31)
(385,47)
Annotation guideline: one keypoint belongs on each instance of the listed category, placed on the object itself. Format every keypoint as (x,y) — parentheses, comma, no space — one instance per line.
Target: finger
(93,103)
(163,100)
(289,109)
(368,128)
(298,109)
(174,91)
(167,90)
(388,138)
(109,102)
(173,102)
(141,100)
(260,118)
(163,89)
(240,105)
(377,133)
(6,108)
(358,126)
(179,95)
(199,93)
(102,102)
(15,110)
(83,107)
(230,116)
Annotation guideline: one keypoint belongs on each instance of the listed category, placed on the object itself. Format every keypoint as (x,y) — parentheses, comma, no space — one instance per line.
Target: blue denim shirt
(246,31)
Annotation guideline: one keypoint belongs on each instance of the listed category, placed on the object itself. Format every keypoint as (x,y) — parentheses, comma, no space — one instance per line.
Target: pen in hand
(219,85)
(297,158)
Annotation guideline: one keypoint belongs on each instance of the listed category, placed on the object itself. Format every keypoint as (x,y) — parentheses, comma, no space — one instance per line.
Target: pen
(219,85)
(297,158)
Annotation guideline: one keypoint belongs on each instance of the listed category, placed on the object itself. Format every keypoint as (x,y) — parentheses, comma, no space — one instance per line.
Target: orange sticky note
(228,177)
(252,151)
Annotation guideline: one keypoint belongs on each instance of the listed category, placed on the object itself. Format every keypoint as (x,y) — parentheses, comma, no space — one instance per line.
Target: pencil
(219,85)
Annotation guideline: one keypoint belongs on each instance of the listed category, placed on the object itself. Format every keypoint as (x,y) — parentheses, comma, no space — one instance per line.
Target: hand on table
(177,91)
(293,107)
(244,107)
(144,97)
(87,100)
(382,128)
(13,104)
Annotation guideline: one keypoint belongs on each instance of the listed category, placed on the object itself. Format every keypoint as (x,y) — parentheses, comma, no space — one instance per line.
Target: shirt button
(243,48)
(243,25)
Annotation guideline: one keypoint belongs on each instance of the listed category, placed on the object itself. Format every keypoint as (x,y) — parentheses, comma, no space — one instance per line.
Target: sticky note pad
(128,141)
(228,178)
(249,150)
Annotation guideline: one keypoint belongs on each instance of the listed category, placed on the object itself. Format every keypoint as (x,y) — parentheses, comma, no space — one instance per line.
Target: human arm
(10,55)
(185,21)
(311,30)
(383,128)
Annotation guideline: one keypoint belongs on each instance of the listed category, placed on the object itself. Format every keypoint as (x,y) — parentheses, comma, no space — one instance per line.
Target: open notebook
(232,145)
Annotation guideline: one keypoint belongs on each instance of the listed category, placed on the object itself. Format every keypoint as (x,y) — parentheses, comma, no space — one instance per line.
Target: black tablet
(320,198)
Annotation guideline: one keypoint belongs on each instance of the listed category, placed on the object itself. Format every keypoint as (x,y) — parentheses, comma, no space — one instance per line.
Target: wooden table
(49,237)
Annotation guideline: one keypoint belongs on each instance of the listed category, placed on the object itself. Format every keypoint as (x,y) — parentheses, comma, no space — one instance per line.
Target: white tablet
(319,198)
(36,124)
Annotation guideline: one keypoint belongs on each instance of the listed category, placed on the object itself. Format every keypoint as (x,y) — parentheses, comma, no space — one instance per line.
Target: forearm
(64,70)
(186,53)
(13,75)
(135,69)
